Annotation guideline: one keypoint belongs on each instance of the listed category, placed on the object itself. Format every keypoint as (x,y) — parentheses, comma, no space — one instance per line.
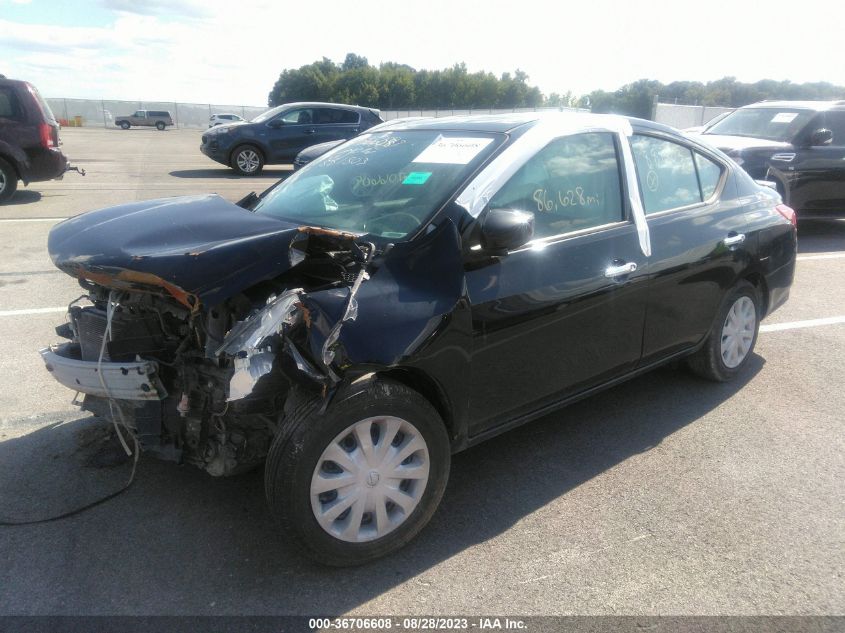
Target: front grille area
(131,334)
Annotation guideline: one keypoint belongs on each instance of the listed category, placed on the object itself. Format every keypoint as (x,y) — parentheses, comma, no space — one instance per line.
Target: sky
(232,51)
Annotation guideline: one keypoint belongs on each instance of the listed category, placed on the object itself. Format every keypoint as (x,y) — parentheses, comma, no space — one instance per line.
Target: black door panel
(548,323)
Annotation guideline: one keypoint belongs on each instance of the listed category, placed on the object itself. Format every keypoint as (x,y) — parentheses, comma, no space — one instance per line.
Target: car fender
(17,157)
(413,320)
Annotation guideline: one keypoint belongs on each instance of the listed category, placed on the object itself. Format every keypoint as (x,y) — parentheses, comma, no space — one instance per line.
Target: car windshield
(268,114)
(385,184)
(774,124)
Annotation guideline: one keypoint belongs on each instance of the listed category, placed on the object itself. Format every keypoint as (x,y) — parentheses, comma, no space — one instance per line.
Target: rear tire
(124,125)
(732,338)
(247,160)
(356,442)
(8,181)
(160,125)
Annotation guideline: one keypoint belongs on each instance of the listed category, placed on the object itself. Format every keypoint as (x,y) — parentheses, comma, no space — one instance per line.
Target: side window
(9,108)
(709,174)
(666,174)
(304,116)
(140,114)
(835,122)
(571,184)
(335,116)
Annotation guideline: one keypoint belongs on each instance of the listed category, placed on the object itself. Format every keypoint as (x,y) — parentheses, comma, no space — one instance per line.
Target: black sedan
(412,293)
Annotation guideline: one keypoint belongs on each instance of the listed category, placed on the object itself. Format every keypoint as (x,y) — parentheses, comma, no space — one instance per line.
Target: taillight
(45,131)
(788,213)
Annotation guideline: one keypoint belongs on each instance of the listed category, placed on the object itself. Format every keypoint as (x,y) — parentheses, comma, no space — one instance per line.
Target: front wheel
(124,125)
(731,341)
(8,180)
(362,479)
(247,160)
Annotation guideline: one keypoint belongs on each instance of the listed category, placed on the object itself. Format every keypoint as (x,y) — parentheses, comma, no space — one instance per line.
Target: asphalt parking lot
(666,495)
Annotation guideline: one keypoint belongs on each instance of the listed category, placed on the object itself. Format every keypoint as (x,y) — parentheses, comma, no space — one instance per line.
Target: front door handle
(618,271)
(733,240)
(311,131)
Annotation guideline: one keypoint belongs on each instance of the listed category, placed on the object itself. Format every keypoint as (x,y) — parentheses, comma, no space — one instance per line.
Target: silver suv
(145,118)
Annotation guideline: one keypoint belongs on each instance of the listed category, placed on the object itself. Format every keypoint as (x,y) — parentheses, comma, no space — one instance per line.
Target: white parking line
(802,258)
(777,327)
(6,313)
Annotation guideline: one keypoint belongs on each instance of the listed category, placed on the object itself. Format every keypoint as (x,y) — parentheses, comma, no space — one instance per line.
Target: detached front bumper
(125,381)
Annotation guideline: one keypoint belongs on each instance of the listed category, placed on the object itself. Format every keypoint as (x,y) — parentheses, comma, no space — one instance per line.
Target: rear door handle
(311,131)
(618,271)
(733,240)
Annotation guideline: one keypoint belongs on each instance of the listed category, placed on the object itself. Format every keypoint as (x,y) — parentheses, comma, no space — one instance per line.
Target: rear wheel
(362,479)
(247,160)
(160,125)
(734,334)
(8,180)
(124,125)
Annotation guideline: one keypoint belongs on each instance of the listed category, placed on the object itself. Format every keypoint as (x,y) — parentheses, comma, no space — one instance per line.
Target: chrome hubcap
(738,332)
(248,160)
(369,479)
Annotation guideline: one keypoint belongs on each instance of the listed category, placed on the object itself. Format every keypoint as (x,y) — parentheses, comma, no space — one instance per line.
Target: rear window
(46,112)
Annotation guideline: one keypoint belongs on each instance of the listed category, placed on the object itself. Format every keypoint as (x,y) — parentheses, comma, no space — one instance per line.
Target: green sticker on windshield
(416,178)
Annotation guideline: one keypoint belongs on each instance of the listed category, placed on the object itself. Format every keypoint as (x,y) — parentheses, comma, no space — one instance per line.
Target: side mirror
(822,136)
(503,230)
(275,123)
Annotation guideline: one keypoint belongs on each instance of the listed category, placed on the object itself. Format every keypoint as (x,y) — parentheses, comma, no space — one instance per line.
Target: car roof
(319,104)
(519,121)
(805,105)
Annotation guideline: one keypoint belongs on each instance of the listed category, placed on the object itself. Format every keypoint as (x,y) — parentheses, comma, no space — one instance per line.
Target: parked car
(29,138)
(158,119)
(220,119)
(414,292)
(800,145)
(279,134)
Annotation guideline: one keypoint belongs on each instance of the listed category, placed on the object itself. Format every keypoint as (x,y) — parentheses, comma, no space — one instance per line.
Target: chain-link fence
(102,113)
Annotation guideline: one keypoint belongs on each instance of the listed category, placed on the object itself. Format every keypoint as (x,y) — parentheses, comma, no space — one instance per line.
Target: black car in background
(279,134)
(415,291)
(800,145)
(29,138)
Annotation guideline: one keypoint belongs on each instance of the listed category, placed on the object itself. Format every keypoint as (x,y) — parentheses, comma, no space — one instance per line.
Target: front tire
(247,160)
(8,181)
(362,479)
(732,338)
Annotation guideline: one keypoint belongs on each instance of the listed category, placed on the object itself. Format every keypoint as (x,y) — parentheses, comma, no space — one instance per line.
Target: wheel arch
(757,280)
(16,159)
(428,388)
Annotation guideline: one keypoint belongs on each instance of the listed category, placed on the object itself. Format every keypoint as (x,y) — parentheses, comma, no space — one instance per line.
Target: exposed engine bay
(208,385)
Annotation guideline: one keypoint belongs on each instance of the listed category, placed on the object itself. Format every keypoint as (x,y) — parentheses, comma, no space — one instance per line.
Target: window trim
(720,186)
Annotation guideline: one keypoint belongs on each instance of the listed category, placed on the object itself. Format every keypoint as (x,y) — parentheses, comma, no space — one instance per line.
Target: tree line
(393,86)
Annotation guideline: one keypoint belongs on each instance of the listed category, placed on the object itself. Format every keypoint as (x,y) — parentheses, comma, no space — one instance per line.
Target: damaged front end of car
(197,363)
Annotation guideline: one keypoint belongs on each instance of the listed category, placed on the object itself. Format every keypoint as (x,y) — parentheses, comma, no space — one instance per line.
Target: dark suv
(279,134)
(800,145)
(29,138)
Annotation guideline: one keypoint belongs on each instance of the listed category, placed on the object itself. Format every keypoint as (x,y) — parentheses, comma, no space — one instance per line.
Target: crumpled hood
(731,143)
(203,245)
